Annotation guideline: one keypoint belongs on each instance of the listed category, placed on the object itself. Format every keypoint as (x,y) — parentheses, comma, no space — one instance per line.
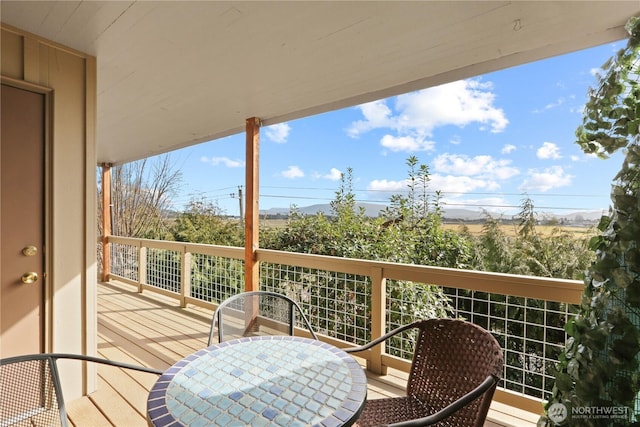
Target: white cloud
(333,175)
(481,166)
(487,203)
(292,172)
(406,143)
(549,150)
(385,185)
(461,184)
(278,133)
(458,103)
(457,174)
(444,183)
(508,148)
(548,179)
(555,104)
(455,140)
(419,113)
(579,109)
(215,161)
(376,115)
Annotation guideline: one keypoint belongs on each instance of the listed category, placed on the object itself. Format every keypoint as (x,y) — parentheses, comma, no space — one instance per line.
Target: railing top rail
(199,248)
(544,288)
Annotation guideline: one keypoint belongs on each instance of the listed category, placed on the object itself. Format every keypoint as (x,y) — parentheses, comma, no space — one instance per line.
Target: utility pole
(239,196)
(241,204)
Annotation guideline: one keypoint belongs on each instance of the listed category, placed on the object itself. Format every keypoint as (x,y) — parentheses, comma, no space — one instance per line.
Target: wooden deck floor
(152,331)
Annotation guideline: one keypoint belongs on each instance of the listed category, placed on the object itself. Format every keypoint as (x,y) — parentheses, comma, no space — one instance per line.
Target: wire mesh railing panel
(407,302)
(336,304)
(164,269)
(530,331)
(214,278)
(124,261)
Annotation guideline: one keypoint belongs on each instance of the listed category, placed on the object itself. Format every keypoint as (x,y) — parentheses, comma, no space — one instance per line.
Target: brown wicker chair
(456,366)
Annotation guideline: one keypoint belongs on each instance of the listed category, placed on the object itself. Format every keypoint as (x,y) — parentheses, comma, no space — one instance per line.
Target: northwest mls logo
(558,413)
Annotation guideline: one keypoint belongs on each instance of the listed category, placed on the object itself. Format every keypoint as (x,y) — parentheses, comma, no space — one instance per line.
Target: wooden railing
(132,260)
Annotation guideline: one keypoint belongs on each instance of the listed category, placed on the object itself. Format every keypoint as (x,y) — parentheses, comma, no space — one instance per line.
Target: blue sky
(488,142)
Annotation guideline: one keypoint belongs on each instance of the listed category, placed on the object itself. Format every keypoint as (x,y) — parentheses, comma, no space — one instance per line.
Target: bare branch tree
(141,194)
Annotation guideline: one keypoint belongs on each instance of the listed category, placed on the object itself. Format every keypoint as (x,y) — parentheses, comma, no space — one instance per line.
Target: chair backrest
(451,357)
(257,313)
(30,392)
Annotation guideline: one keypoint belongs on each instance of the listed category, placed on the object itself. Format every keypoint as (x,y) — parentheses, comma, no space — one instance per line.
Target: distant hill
(450,214)
(370,209)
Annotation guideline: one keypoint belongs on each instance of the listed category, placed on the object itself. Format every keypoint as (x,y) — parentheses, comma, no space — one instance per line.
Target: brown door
(22,138)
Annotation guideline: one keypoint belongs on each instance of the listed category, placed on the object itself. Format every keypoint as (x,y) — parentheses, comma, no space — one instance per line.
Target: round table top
(265,380)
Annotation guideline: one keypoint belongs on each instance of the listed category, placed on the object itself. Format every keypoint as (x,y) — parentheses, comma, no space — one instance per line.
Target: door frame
(47,320)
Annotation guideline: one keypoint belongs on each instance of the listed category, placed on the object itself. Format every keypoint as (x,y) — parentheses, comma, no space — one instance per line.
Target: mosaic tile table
(266,380)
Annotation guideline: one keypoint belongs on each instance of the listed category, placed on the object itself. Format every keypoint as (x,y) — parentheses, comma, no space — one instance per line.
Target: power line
(478,193)
(444,203)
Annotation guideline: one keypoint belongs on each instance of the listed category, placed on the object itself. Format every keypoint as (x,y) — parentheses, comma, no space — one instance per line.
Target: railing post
(378,319)
(142,267)
(185,278)
(106,221)
(251,226)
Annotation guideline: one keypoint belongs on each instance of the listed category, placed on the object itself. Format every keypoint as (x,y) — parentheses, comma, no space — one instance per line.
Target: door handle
(30,277)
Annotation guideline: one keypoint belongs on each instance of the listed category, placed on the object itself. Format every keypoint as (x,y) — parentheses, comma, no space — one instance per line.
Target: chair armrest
(449,410)
(382,338)
(105,362)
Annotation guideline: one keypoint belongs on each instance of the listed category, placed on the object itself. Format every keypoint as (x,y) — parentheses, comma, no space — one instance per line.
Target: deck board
(151,330)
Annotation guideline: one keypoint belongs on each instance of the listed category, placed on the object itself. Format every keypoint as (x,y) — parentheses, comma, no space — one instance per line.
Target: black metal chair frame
(51,360)
(488,385)
(293,308)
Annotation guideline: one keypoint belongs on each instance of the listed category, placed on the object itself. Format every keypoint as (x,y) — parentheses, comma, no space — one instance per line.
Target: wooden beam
(106,221)
(251,264)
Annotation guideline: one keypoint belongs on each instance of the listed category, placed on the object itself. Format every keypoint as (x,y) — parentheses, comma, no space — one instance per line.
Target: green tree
(494,249)
(558,253)
(212,278)
(204,222)
(410,231)
(600,364)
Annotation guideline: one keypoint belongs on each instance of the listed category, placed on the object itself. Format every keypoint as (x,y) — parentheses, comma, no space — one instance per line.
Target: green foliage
(599,366)
(203,222)
(494,250)
(557,254)
(410,231)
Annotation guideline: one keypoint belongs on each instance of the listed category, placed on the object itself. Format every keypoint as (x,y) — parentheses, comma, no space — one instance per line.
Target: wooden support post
(251,265)
(378,320)
(185,278)
(106,221)
(142,267)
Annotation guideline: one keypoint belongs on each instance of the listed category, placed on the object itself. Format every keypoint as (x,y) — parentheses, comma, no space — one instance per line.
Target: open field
(476,228)
(511,229)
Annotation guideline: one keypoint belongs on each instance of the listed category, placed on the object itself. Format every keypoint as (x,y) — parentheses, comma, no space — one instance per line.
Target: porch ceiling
(172,74)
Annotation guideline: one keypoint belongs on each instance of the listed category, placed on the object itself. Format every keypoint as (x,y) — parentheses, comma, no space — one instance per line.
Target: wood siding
(70,76)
